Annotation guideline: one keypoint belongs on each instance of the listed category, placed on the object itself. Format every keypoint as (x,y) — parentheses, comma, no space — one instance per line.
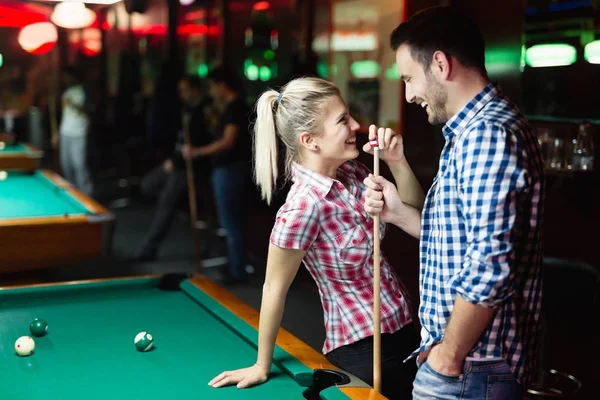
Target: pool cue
(376,284)
(192,197)
(53,103)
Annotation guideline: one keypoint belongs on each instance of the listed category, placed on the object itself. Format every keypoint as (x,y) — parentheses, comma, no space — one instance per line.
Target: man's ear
(441,65)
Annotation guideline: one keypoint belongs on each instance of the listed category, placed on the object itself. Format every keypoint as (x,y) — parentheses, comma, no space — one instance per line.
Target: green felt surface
(14,148)
(24,195)
(89,351)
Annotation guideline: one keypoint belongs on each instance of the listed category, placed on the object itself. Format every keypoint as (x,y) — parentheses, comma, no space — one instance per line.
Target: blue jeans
(230,185)
(479,380)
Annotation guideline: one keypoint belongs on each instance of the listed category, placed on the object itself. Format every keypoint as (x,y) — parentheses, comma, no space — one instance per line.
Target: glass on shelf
(583,149)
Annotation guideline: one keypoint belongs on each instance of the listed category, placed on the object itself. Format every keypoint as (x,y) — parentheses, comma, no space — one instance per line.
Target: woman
(324,225)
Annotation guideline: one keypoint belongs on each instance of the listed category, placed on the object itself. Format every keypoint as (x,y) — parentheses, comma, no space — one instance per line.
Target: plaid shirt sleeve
(296,225)
(491,175)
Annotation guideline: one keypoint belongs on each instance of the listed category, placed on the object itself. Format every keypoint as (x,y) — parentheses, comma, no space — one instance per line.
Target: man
(169,180)
(74,132)
(230,153)
(481,224)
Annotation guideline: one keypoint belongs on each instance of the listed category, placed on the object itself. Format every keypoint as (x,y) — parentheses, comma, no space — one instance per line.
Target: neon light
(365,69)
(550,55)
(261,6)
(591,52)
(38,38)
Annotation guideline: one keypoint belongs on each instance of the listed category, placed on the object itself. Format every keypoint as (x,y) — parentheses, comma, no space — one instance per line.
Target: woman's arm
(282,266)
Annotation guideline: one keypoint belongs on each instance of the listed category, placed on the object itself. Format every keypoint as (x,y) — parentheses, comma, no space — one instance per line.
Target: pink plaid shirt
(325,217)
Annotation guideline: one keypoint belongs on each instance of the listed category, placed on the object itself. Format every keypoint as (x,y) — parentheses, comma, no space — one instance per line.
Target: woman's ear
(308,141)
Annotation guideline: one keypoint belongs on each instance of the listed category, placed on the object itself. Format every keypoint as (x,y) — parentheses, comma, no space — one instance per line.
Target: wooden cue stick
(192,198)
(376,291)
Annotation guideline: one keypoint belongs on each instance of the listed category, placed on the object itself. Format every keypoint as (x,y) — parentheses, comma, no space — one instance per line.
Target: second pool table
(20,156)
(199,330)
(45,221)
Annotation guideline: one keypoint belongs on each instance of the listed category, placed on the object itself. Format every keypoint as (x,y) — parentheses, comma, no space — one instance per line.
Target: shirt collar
(461,119)
(321,182)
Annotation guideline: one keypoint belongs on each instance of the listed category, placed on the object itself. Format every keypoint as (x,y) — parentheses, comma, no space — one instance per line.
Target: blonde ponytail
(297,108)
(265,145)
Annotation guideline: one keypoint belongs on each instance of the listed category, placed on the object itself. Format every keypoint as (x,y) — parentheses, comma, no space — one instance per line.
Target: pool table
(199,330)
(45,221)
(20,156)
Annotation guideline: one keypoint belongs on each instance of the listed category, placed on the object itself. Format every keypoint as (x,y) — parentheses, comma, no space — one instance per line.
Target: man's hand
(441,361)
(188,152)
(390,144)
(382,198)
(168,166)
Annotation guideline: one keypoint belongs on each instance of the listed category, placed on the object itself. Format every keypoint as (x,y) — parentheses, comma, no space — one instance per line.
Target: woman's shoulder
(356,169)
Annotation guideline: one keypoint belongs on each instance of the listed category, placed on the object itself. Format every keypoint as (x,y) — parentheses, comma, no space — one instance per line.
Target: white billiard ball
(24,346)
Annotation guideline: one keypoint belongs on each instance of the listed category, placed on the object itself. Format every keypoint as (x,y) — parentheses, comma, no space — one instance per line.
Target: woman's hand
(391,146)
(243,378)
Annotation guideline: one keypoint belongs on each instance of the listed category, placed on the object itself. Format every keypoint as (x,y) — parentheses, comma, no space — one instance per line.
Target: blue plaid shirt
(481,230)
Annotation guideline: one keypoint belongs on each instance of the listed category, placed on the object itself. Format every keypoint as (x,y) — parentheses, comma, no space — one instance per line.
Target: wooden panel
(33,246)
(29,161)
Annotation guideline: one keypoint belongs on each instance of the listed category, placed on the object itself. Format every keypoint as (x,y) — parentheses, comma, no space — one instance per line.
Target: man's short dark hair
(444,29)
(224,75)
(194,82)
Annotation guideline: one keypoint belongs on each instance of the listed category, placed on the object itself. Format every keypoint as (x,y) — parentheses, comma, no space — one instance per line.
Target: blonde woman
(324,225)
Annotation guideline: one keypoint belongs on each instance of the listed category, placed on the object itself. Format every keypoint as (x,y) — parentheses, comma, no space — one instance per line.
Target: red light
(261,6)
(192,29)
(274,33)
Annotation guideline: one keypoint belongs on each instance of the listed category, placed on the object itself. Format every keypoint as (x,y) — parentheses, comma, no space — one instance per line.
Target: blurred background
(131,54)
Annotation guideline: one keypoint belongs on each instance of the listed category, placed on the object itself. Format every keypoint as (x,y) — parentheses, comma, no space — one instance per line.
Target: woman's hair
(297,108)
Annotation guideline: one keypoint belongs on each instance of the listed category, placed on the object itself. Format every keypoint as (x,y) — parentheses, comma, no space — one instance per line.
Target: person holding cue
(324,225)
(480,229)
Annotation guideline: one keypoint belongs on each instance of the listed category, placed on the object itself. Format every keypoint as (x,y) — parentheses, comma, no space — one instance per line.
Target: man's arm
(409,189)
(491,175)
(223,144)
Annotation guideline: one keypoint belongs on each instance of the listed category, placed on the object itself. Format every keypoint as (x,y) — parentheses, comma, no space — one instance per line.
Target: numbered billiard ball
(24,346)
(143,341)
(38,327)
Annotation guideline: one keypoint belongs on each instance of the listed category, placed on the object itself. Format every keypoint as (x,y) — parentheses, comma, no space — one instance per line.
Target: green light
(365,69)
(591,52)
(264,73)
(202,70)
(502,60)
(247,63)
(392,73)
(252,72)
(275,69)
(1,60)
(269,55)
(550,55)
(322,70)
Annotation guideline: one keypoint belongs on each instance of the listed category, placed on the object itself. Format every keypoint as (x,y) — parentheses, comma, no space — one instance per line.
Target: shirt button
(283,220)
(354,241)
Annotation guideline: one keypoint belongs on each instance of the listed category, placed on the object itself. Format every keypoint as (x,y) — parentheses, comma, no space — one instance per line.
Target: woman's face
(338,139)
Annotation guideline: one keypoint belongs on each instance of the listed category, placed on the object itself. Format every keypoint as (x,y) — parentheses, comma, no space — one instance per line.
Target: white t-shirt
(74,122)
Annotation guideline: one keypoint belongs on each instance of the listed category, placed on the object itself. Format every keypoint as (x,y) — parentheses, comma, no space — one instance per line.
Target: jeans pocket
(502,386)
(455,378)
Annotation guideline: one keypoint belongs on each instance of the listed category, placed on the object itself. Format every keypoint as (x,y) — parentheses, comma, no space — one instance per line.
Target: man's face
(185,91)
(422,87)
(216,90)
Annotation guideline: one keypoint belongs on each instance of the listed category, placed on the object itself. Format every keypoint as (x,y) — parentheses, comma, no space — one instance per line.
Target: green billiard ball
(143,341)
(38,327)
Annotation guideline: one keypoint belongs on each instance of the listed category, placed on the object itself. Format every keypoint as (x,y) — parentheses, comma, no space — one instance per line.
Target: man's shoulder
(500,114)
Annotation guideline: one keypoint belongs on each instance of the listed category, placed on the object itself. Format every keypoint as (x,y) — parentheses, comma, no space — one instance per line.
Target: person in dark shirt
(169,180)
(230,155)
